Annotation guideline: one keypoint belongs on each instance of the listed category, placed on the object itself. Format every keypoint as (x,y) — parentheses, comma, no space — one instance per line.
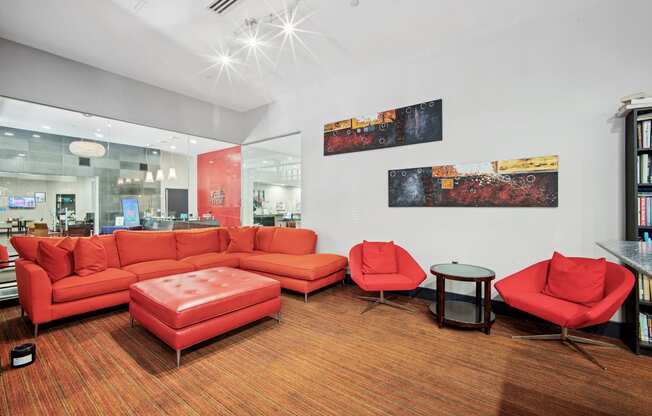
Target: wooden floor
(323,359)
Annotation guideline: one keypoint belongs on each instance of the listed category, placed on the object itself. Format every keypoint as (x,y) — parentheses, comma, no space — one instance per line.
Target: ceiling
(172,43)
(50,120)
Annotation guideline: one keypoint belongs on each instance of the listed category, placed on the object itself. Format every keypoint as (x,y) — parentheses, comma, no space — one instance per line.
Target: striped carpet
(323,359)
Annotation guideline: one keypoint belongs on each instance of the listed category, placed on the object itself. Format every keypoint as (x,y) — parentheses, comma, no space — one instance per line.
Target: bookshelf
(638,216)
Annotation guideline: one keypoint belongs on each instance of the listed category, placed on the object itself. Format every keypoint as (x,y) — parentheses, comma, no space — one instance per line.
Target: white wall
(34,75)
(539,88)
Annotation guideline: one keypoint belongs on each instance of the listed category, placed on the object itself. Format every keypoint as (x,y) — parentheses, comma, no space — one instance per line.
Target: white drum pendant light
(86,149)
(159,175)
(149,177)
(172,174)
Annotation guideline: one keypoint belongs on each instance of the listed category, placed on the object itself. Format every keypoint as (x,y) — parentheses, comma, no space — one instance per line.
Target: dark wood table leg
(478,300)
(441,300)
(487,307)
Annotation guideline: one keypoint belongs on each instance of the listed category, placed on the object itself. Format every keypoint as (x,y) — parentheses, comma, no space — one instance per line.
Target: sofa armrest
(34,291)
(529,280)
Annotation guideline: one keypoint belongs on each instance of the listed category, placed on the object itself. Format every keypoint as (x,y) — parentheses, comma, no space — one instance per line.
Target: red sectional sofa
(285,254)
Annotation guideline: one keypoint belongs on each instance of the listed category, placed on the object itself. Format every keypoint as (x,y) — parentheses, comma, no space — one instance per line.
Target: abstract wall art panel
(529,182)
(419,123)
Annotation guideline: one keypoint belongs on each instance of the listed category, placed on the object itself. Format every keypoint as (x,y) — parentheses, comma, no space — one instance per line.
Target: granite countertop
(636,254)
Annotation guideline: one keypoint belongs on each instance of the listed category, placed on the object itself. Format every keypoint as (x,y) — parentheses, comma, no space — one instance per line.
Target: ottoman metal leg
(305,297)
(178,358)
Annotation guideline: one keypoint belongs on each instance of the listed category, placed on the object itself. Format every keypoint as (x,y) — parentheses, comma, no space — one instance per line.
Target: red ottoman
(185,309)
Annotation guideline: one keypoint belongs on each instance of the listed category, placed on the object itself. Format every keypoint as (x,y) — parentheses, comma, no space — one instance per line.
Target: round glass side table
(459,313)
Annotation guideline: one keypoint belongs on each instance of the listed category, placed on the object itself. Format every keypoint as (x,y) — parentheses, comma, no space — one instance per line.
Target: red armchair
(409,276)
(523,290)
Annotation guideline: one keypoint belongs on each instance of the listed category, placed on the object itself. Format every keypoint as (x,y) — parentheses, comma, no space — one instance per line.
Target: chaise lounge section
(284,254)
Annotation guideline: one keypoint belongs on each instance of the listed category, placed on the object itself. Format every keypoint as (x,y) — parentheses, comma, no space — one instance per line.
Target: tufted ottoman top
(185,299)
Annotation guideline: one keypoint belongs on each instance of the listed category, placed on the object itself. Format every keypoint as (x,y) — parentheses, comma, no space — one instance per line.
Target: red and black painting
(419,123)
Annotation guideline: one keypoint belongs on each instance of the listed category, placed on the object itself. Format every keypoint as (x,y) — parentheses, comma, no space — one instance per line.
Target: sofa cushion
(378,258)
(181,301)
(27,245)
(264,236)
(112,256)
(389,281)
(157,268)
(557,311)
(576,280)
(242,239)
(80,287)
(208,260)
(143,246)
(224,238)
(90,256)
(56,259)
(293,241)
(306,267)
(194,242)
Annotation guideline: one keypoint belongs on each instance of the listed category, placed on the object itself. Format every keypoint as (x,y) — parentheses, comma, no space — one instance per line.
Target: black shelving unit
(634,231)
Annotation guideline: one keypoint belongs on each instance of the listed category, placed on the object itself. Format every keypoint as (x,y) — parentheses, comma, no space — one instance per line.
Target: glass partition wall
(101,162)
(271,182)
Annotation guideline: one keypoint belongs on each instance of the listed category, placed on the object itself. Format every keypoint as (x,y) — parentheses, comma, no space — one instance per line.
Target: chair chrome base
(572,341)
(382,300)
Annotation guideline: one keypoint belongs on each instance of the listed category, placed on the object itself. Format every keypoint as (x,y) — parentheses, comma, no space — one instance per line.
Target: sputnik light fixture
(254,38)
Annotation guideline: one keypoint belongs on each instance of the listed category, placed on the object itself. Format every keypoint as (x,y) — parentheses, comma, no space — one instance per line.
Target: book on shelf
(643,130)
(644,167)
(644,321)
(645,209)
(644,288)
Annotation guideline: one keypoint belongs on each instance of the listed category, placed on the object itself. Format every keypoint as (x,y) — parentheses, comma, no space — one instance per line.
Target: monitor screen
(130,212)
(18,202)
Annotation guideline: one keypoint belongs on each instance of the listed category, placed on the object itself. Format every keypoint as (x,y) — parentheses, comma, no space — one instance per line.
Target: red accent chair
(524,291)
(6,260)
(409,276)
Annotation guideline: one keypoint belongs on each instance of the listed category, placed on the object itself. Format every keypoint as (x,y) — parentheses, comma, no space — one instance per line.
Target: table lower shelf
(462,313)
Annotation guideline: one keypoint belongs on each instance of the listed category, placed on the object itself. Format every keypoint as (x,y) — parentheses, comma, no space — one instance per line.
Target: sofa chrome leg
(305,298)
(22,312)
(582,340)
(382,300)
(35,330)
(131,320)
(178,358)
(585,353)
(550,337)
(572,342)
(278,317)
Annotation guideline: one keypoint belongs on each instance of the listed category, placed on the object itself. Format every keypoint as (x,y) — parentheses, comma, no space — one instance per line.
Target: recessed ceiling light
(8,133)
(36,136)
(46,127)
(108,125)
(21,155)
(147,145)
(98,129)
(100,135)
(193,141)
(88,115)
(173,147)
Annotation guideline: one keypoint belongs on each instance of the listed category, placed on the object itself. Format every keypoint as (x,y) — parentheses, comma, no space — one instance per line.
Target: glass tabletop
(462,270)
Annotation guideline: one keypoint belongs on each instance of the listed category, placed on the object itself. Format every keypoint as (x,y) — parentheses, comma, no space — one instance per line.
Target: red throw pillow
(56,259)
(576,280)
(90,256)
(378,257)
(242,240)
